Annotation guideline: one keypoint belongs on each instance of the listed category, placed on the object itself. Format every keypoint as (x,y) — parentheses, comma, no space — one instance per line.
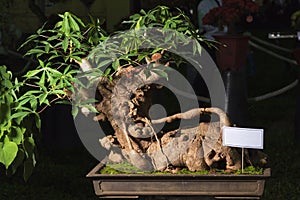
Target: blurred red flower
(230,13)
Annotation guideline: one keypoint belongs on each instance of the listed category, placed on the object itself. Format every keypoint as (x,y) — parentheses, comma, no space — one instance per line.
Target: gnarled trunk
(125,104)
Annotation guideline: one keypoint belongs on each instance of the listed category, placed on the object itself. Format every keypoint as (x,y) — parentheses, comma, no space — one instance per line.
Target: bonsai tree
(113,77)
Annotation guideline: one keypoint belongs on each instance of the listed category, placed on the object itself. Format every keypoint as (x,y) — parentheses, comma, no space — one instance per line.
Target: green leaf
(76,42)
(22,102)
(143,12)
(25,109)
(78,20)
(73,24)
(54,37)
(8,152)
(33,103)
(42,79)
(5,111)
(40,30)
(17,134)
(65,44)
(75,57)
(147,73)
(150,66)
(29,146)
(160,73)
(19,116)
(116,64)
(29,165)
(104,63)
(91,108)
(43,98)
(65,24)
(28,40)
(18,161)
(138,23)
(35,51)
(198,48)
(107,71)
(59,92)
(152,17)
(17,85)
(32,73)
(47,48)
(134,17)
(38,122)
(75,111)
(54,71)
(169,37)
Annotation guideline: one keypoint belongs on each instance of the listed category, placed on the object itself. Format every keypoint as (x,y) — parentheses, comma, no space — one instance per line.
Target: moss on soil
(126,168)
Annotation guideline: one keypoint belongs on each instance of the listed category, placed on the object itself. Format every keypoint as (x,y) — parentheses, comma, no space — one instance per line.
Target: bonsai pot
(221,186)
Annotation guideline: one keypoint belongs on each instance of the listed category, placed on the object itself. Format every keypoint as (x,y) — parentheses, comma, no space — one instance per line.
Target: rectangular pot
(226,186)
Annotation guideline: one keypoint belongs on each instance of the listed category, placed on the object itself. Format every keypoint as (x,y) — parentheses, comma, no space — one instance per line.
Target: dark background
(63,162)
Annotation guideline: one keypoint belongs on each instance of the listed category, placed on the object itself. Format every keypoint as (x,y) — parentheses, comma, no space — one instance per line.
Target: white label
(243,137)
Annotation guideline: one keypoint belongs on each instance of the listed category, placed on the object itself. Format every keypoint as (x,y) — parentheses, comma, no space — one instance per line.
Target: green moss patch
(127,168)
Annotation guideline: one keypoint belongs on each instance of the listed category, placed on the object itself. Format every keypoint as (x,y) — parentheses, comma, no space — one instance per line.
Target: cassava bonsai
(114,76)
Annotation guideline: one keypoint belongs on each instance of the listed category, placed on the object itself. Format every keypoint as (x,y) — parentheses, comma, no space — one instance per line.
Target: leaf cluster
(23,99)
(17,146)
(160,30)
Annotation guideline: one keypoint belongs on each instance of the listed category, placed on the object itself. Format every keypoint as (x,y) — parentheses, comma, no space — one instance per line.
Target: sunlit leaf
(65,24)
(32,73)
(65,44)
(75,111)
(73,24)
(160,73)
(20,115)
(116,64)
(8,152)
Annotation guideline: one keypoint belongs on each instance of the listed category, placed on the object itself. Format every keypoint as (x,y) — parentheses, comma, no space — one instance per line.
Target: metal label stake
(243,152)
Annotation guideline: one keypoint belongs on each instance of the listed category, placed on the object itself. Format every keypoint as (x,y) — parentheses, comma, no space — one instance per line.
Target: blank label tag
(243,137)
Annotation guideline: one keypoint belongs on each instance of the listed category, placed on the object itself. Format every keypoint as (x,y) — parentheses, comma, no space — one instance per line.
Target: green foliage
(17,145)
(22,100)
(163,17)
(59,49)
(69,40)
(156,31)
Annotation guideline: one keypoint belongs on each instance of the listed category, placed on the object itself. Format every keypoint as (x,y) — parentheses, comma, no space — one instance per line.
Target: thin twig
(53,100)
(31,85)
(152,129)
(158,142)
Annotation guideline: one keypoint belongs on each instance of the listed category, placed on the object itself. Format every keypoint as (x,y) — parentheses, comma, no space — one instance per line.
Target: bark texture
(125,102)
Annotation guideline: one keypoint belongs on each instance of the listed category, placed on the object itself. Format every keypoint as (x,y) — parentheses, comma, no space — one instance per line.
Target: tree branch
(224,120)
